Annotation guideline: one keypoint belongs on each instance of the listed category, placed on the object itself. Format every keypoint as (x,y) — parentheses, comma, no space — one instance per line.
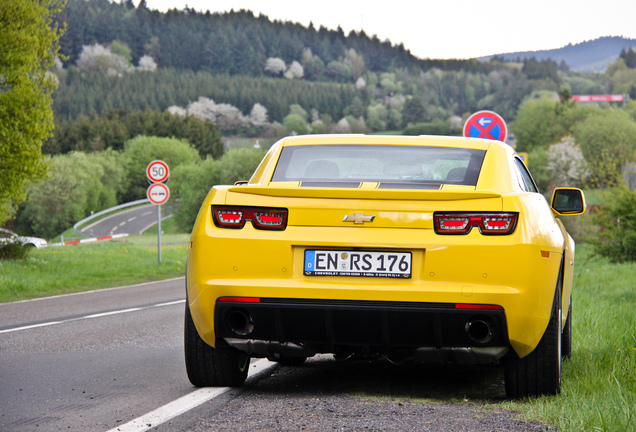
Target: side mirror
(568,202)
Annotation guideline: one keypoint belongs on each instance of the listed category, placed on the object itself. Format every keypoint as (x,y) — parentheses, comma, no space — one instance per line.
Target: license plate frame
(358,263)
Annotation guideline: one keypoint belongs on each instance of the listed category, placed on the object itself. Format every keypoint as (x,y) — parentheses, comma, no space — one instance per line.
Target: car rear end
(371,260)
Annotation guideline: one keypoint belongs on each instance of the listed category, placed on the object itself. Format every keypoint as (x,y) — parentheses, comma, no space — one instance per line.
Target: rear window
(392,167)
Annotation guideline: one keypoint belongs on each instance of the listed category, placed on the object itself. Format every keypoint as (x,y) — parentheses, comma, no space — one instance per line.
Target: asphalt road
(101,365)
(113,360)
(133,221)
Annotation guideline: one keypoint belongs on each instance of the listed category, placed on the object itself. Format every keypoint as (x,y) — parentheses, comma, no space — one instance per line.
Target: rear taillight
(261,218)
(462,223)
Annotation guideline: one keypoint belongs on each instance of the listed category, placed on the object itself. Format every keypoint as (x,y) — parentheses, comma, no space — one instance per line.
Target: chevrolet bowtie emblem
(358,218)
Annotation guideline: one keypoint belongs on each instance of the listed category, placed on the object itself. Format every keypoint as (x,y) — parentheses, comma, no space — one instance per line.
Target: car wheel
(566,341)
(538,373)
(288,361)
(223,366)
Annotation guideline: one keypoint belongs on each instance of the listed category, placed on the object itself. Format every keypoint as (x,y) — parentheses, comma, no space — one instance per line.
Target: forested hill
(589,56)
(236,42)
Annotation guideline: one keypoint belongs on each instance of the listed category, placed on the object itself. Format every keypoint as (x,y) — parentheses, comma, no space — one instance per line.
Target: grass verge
(82,267)
(599,382)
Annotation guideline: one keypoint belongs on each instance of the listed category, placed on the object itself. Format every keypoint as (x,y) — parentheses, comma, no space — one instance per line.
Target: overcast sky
(448,28)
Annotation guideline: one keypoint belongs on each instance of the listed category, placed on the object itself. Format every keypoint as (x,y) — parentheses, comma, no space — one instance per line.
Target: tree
(295,124)
(103,60)
(275,66)
(295,71)
(608,142)
(147,64)
(566,165)
(414,110)
(537,124)
(258,115)
(617,218)
(78,184)
(629,56)
(28,46)
(140,151)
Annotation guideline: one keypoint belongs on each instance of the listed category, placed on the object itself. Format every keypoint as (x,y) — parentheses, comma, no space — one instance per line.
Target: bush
(617,221)
(13,249)
(438,127)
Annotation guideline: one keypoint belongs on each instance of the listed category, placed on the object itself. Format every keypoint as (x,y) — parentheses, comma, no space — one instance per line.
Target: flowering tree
(295,71)
(258,115)
(275,66)
(566,164)
(101,59)
(147,64)
(226,117)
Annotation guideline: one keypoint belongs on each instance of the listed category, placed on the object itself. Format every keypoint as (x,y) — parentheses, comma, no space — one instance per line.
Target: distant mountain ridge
(589,56)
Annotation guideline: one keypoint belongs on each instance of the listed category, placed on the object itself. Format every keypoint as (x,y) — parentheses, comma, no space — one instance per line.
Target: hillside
(235,42)
(588,56)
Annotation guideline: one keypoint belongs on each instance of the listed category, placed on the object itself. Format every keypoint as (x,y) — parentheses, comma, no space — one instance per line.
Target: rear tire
(539,373)
(566,341)
(223,366)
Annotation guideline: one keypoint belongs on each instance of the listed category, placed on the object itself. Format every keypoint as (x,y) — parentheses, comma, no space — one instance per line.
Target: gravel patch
(325,395)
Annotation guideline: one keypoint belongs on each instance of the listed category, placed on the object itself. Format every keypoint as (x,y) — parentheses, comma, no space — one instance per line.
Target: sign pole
(159,233)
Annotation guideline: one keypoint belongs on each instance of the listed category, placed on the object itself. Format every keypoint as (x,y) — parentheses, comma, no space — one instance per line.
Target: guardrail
(103,212)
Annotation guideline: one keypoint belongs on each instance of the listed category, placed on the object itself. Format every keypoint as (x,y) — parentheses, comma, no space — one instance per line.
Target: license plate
(357,263)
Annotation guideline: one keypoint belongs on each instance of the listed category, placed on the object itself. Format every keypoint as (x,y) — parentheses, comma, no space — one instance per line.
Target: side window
(528,183)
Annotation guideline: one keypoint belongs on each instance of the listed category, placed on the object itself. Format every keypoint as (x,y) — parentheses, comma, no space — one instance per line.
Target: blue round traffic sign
(487,125)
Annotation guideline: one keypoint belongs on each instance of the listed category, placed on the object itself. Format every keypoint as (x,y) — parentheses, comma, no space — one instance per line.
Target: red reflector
(239,299)
(230,216)
(477,306)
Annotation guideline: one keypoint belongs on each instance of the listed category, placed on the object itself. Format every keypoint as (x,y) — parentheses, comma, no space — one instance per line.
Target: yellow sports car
(426,249)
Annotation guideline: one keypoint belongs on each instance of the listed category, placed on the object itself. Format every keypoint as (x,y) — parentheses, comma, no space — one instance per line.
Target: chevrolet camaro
(437,250)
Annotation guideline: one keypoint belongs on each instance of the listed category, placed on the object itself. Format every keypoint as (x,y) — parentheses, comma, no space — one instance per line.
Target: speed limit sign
(157,171)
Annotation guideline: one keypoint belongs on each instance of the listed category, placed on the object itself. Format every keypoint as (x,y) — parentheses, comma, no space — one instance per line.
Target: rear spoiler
(356,193)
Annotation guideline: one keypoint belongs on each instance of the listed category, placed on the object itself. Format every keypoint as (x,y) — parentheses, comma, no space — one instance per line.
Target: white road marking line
(98,315)
(185,403)
(132,219)
(122,224)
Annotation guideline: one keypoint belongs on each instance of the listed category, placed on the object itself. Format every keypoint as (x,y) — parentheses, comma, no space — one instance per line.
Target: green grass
(68,269)
(168,226)
(599,382)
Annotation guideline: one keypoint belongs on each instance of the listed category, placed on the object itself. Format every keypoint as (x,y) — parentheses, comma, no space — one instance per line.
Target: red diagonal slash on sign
(485,132)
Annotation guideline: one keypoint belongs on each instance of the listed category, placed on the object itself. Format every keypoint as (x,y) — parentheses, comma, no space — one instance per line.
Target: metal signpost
(158,193)
(486,124)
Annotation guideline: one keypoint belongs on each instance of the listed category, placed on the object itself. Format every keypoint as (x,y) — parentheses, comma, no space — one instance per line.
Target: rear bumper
(273,327)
